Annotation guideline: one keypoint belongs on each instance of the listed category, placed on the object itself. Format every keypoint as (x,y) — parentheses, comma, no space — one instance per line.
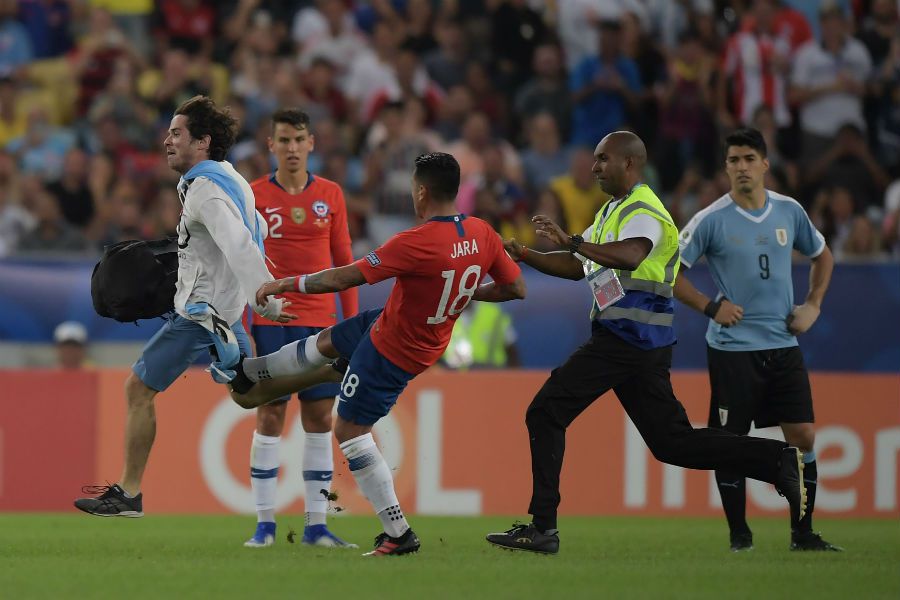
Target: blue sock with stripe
(264,475)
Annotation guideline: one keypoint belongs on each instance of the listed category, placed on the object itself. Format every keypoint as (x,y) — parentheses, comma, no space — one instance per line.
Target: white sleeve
(227,229)
(644,226)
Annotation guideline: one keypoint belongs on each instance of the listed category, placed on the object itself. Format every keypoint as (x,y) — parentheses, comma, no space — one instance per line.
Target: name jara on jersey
(464,248)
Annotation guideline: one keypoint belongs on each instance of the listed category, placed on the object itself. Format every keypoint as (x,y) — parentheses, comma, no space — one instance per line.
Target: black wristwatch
(574,242)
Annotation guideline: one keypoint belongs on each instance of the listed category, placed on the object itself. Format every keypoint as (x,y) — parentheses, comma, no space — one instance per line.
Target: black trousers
(640,379)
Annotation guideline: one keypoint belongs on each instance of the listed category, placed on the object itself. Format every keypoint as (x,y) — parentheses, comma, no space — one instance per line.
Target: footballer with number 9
(439,268)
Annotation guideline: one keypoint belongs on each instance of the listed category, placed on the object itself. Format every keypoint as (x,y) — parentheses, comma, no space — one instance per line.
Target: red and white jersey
(757,64)
(308,232)
(438,267)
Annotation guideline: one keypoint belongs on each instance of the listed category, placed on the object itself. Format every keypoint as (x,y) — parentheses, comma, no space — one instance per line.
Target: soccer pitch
(77,556)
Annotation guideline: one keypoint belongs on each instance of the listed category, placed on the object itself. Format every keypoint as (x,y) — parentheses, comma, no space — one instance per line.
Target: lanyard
(612,204)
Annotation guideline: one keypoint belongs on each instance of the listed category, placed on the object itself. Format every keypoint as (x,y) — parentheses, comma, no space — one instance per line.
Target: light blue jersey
(749,258)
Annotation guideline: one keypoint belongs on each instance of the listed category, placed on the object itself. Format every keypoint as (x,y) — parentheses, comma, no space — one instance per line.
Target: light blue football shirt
(749,258)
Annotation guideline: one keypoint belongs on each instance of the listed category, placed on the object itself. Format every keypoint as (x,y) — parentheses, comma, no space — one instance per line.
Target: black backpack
(135,280)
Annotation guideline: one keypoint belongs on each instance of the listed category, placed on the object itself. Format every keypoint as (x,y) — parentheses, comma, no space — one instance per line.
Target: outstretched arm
(328,281)
(494,292)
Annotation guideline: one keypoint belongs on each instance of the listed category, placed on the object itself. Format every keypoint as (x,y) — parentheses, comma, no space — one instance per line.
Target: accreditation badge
(605,286)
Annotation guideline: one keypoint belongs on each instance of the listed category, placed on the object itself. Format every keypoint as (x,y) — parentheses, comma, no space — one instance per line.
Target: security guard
(630,264)
(483,338)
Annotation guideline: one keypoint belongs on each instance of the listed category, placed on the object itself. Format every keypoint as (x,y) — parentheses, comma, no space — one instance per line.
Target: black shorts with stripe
(765,387)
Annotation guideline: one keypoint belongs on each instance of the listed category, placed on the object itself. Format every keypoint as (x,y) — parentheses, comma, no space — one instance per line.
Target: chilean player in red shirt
(307,220)
(439,268)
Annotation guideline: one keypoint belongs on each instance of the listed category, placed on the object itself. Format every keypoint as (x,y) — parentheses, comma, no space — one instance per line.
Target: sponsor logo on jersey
(781,236)
(298,215)
(373,259)
(320,208)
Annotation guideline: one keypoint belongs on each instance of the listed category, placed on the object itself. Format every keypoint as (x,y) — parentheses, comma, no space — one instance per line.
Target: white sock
(295,358)
(374,479)
(318,464)
(264,475)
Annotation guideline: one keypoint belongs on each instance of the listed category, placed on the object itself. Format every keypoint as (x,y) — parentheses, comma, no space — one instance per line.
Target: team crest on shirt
(320,208)
(298,215)
(781,236)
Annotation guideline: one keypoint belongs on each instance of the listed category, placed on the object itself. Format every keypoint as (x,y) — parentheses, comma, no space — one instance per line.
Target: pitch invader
(756,369)
(308,232)
(434,284)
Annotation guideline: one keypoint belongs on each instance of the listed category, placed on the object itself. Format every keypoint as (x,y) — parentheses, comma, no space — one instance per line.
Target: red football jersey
(307,233)
(438,267)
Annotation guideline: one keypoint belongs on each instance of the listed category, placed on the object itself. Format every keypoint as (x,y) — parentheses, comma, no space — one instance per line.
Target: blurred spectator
(409,80)
(49,26)
(547,91)
(601,87)
(488,99)
(516,30)
(862,243)
(577,22)
(755,65)
(878,29)
(133,17)
(178,79)
(95,57)
(832,213)
(483,338)
(120,102)
(387,179)
(492,196)
(372,68)
(579,193)
(328,30)
(52,233)
(468,150)
(126,221)
(165,213)
(544,158)
(187,25)
(687,133)
(415,124)
(850,163)
(454,111)
(71,340)
(41,150)
(787,22)
(13,122)
(15,221)
(324,99)
(446,64)
(420,26)
(267,22)
(810,11)
(669,21)
(886,97)
(643,113)
(15,44)
(828,82)
(72,192)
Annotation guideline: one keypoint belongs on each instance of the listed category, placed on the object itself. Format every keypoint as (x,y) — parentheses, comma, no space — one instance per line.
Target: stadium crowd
(519,91)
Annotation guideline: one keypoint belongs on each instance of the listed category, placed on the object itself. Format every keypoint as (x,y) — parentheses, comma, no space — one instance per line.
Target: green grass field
(77,556)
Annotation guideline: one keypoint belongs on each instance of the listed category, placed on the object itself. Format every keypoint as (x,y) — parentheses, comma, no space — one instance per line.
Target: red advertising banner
(456,442)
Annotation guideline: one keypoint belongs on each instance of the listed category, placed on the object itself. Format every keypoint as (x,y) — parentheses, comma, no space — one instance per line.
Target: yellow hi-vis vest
(656,274)
(480,340)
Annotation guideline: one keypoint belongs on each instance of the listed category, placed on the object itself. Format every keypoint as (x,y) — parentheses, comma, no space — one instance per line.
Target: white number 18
(466,291)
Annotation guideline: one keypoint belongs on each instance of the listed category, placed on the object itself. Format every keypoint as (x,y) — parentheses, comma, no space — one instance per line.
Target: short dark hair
(291,116)
(439,173)
(205,118)
(749,137)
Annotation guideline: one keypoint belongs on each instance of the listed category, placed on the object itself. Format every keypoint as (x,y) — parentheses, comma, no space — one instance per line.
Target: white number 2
(466,291)
(274,223)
